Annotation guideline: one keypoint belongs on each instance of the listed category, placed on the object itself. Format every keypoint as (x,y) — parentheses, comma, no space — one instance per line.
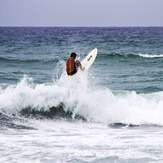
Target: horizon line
(82,26)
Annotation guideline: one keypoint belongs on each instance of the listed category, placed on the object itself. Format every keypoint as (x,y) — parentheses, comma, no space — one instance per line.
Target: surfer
(72,66)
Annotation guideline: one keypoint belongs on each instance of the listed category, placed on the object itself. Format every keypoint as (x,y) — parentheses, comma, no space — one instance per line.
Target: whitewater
(81,97)
(111,113)
(93,125)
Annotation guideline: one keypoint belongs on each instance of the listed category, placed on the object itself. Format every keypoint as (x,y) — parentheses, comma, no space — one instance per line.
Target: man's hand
(82,68)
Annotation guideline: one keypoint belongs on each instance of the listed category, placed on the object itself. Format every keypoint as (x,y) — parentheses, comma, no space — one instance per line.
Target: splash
(79,95)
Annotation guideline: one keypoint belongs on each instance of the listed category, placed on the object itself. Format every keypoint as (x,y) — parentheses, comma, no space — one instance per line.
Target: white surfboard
(89,59)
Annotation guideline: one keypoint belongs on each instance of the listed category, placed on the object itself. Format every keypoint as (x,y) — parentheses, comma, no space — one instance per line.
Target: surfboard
(89,59)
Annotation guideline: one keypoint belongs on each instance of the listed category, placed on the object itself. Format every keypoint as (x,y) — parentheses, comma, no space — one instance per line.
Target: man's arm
(80,65)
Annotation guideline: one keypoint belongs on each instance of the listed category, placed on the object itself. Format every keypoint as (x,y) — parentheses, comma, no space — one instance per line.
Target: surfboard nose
(89,59)
(95,50)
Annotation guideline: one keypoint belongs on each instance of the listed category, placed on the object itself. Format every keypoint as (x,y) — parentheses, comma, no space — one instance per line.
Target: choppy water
(112,113)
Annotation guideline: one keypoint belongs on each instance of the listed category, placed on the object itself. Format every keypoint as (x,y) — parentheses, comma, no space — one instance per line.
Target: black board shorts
(72,73)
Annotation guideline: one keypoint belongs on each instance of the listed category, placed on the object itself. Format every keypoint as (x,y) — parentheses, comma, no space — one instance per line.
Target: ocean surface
(111,113)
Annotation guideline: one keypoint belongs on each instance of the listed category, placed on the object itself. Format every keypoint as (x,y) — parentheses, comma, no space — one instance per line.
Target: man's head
(73,55)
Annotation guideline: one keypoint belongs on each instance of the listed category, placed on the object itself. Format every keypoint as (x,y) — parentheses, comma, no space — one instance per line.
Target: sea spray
(79,97)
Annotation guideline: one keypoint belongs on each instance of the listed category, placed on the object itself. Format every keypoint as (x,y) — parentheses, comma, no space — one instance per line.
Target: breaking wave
(151,56)
(78,97)
(112,55)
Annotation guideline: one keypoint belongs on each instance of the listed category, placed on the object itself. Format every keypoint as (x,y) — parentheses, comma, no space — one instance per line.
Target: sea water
(111,113)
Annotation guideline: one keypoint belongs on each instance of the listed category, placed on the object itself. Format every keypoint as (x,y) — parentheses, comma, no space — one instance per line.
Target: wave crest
(76,96)
(150,56)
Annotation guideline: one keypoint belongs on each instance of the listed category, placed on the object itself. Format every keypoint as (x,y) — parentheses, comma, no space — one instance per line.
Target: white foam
(82,97)
(151,56)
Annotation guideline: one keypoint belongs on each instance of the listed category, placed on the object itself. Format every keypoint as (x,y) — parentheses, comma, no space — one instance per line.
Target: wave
(55,112)
(78,96)
(118,55)
(11,122)
(150,56)
(13,60)
(123,125)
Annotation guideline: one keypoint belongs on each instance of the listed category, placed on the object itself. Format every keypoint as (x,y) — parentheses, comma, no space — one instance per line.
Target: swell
(20,119)
(12,122)
(54,112)
(118,55)
(57,113)
(23,61)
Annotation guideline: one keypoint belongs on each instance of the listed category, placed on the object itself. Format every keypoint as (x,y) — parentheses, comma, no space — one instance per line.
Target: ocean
(111,113)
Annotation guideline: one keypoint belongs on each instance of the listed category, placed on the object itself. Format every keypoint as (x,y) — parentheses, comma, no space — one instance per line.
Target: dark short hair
(73,54)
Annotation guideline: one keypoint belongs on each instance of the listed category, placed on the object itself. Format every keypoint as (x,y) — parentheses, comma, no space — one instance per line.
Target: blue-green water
(112,113)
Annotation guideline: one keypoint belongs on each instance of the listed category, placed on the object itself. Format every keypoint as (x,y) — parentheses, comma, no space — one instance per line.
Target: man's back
(70,65)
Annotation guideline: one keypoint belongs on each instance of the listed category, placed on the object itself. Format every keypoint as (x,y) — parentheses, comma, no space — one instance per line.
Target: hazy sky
(81,12)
